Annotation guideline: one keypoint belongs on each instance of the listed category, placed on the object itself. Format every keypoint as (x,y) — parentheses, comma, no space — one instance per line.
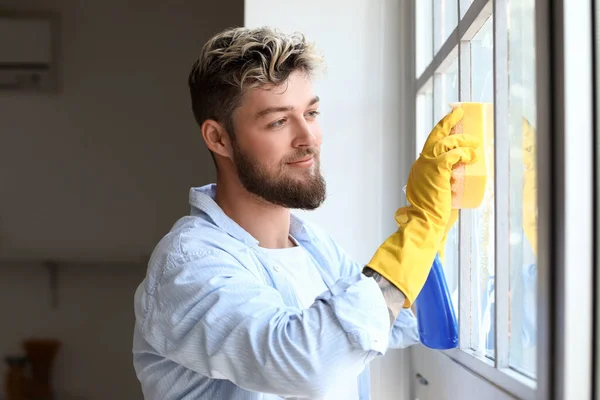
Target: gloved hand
(530,211)
(405,258)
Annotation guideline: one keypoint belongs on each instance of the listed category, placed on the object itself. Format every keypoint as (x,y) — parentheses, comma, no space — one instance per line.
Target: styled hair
(238,59)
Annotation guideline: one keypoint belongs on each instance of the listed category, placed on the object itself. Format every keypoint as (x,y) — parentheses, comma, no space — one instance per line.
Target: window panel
(482,218)
(464,6)
(448,20)
(424,34)
(445,89)
(522,180)
(482,64)
(424,116)
(470,254)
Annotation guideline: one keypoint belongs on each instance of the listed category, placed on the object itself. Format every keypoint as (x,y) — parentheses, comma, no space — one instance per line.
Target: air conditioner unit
(27,59)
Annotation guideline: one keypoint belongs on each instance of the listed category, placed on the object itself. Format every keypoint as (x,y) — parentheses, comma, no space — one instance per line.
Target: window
(488,55)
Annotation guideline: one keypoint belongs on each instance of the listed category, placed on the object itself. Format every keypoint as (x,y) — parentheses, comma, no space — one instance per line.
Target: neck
(268,223)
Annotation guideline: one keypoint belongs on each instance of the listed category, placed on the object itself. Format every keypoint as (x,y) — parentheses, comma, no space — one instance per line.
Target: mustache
(309,151)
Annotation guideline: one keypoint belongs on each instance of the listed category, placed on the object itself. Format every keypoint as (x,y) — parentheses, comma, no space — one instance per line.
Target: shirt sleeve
(405,331)
(211,315)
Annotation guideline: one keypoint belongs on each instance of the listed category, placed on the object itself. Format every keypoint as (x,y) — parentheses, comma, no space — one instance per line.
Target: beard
(277,188)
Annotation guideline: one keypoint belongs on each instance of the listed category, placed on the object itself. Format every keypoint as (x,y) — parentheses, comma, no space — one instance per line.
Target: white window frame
(564,82)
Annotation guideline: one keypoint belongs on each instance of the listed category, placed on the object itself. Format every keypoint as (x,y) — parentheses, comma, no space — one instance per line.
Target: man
(244,300)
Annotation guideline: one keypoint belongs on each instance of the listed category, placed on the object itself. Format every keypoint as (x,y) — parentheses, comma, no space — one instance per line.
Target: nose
(307,134)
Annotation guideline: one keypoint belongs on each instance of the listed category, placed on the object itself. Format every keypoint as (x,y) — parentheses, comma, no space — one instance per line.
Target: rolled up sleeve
(405,331)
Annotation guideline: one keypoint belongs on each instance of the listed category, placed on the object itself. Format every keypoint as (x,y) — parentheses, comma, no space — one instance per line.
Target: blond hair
(241,58)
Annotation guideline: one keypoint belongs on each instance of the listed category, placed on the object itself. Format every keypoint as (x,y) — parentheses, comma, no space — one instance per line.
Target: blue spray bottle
(438,326)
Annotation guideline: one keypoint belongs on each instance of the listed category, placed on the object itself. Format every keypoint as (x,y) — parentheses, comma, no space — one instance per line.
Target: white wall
(367,150)
(99,171)
(448,380)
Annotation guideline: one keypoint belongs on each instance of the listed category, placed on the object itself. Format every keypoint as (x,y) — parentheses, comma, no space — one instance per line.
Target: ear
(216,138)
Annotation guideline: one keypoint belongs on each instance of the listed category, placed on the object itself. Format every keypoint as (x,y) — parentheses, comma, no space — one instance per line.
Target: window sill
(508,380)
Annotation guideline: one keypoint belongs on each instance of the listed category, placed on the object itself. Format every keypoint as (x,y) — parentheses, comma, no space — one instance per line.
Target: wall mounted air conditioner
(27,57)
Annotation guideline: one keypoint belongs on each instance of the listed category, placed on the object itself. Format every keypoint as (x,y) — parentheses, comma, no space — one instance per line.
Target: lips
(303,159)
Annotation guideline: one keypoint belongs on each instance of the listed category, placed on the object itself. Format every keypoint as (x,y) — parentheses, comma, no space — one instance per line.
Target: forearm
(394,298)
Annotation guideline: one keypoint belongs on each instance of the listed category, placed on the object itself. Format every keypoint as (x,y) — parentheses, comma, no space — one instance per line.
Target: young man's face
(277,144)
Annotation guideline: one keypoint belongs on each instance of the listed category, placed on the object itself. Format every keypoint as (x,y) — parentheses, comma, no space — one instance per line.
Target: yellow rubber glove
(530,211)
(405,258)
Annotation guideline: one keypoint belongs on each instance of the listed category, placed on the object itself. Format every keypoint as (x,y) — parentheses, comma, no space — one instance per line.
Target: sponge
(469,181)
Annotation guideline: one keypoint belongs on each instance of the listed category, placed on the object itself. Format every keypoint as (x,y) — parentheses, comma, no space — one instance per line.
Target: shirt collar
(203,199)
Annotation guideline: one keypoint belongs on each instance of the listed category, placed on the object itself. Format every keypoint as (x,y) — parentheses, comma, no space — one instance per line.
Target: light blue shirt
(215,320)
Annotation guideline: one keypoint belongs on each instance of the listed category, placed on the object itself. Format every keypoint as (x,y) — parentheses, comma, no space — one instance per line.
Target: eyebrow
(270,110)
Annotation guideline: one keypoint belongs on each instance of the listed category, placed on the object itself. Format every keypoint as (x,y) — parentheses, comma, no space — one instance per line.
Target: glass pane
(464,6)
(446,92)
(482,218)
(482,64)
(424,39)
(424,116)
(445,89)
(448,18)
(523,187)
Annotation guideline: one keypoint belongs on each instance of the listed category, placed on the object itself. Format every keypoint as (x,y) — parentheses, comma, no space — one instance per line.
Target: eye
(277,124)
(313,114)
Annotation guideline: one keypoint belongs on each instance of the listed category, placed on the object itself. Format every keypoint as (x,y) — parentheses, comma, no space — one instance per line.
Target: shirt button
(276,268)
